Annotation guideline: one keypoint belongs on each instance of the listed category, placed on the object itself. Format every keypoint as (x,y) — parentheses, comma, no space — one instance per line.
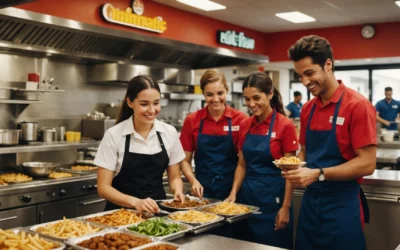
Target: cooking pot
(49,134)
(29,130)
(9,137)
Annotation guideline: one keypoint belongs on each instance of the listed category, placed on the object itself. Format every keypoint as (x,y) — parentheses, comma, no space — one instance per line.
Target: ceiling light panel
(295,17)
(205,5)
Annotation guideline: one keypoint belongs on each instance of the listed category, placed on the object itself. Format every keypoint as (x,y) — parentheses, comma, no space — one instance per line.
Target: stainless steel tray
(237,217)
(184,229)
(168,208)
(201,227)
(83,172)
(35,227)
(144,247)
(145,216)
(60,243)
(74,242)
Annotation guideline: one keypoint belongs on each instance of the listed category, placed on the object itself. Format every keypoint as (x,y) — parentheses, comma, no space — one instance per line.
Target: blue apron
(329,216)
(264,187)
(216,160)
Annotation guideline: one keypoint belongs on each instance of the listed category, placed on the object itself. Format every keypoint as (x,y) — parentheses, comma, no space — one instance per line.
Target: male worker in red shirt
(338,142)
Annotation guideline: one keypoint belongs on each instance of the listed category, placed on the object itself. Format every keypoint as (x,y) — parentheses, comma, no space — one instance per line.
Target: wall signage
(132,17)
(235,39)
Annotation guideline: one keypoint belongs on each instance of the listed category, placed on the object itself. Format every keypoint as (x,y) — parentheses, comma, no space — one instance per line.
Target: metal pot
(49,134)
(6,93)
(39,169)
(29,131)
(9,137)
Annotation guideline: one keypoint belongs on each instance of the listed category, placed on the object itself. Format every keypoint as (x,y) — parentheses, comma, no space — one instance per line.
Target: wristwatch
(321,176)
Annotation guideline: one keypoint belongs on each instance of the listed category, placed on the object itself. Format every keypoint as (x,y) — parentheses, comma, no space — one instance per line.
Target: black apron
(141,174)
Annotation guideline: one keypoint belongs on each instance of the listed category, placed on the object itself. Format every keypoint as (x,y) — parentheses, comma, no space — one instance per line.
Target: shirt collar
(336,96)
(127,127)
(266,121)
(227,113)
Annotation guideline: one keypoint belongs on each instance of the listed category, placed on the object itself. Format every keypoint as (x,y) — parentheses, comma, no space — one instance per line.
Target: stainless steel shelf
(41,90)
(19,101)
(56,146)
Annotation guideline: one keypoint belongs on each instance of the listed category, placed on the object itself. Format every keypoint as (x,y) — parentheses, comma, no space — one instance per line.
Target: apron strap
(161,143)
(364,205)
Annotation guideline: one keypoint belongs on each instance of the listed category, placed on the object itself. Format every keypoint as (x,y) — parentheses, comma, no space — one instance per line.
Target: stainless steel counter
(386,155)
(389,145)
(383,178)
(207,241)
(53,146)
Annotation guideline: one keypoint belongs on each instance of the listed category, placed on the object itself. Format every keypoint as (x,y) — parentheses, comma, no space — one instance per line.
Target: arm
(106,191)
(175,182)
(240,173)
(187,169)
(381,120)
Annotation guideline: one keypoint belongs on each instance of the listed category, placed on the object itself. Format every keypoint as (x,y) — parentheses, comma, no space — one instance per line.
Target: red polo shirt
(283,137)
(190,129)
(356,125)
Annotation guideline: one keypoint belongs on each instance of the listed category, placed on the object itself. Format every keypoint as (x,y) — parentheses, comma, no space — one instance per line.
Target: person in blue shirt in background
(387,110)
(293,109)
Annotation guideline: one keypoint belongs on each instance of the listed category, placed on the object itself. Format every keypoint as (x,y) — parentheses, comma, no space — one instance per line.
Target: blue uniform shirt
(294,109)
(388,111)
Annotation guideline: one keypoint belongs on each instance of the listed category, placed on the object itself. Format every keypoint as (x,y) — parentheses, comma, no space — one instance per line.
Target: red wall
(181,25)
(346,41)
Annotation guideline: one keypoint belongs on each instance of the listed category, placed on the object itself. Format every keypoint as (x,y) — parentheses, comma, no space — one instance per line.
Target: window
(356,80)
(383,78)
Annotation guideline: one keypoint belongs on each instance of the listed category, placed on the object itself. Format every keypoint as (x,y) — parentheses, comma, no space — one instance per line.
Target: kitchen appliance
(9,137)
(48,134)
(96,128)
(29,131)
(39,169)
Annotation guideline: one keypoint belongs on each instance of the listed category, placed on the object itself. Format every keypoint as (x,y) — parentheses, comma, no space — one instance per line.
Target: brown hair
(316,47)
(135,86)
(211,76)
(263,83)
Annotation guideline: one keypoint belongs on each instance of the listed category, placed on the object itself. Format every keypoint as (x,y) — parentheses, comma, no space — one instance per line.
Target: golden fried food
(114,241)
(193,216)
(288,160)
(227,208)
(83,168)
(24,241)
(121,217)
(56,175)
(2,182)
(161,247)
(186,204)
(15,177)
(66,229)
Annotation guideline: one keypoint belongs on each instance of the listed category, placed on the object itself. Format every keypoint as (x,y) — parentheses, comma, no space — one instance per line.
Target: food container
(236,217)
(162,204)
(39,169)
(184,228)
(35,228)
(60,243)
(388,136)
(9,137)
(217,220)
(144,215)
(75,241)
(159,243)
(29,131)
(49,134)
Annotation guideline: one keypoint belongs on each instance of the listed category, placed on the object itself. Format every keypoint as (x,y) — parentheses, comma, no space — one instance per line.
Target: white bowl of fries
(289,163)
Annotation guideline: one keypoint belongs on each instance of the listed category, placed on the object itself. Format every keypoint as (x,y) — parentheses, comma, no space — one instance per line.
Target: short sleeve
(378,107)
(289,140)
(107,154)
(176,154)
(363,125)
(186,137)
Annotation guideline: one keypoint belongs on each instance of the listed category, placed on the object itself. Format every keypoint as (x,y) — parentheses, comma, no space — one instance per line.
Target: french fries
(15,177)
(56,175)
(24,241)
(118,218)
(83,168)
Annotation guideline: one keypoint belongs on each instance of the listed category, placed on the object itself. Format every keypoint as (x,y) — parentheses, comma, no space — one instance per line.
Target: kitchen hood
(39,34)
(8,3)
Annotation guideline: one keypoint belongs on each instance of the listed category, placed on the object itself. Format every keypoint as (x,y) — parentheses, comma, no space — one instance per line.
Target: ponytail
(124,112)
(276,102)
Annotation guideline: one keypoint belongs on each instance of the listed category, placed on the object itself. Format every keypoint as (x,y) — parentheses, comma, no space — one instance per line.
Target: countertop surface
(387,155)
(208,241)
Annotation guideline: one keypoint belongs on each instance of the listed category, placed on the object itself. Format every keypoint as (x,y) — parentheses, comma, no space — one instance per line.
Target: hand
(231,198)
(282,218)
(179,196)
(197,189)
(301,177)
(387,123)
(147,205)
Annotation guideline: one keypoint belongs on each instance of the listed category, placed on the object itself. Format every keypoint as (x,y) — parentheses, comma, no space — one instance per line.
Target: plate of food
(15,177)
(195,217)
(228,209)
(289,163)
(19,239)
(189,203)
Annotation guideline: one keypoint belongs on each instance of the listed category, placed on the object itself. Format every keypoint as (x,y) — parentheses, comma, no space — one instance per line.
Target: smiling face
(313,77)
(215,96)
(258,102)
(146,106)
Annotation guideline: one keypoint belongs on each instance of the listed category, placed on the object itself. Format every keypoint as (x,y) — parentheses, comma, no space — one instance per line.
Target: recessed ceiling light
(398,3)
(205,5)
(295,17)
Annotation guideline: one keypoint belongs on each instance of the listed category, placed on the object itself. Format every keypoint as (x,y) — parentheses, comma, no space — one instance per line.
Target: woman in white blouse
(134,153)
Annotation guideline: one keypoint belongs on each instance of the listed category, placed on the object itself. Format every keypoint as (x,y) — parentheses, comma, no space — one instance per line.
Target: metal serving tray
(75,241)
(145,216)
(238,217)
(201,227)
(60,243)
(211,201)
(68,169)
(35,227)
(184,229)
(144,247)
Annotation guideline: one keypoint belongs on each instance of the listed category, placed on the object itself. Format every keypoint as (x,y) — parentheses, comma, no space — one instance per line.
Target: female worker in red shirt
(211,134)
(264,137)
